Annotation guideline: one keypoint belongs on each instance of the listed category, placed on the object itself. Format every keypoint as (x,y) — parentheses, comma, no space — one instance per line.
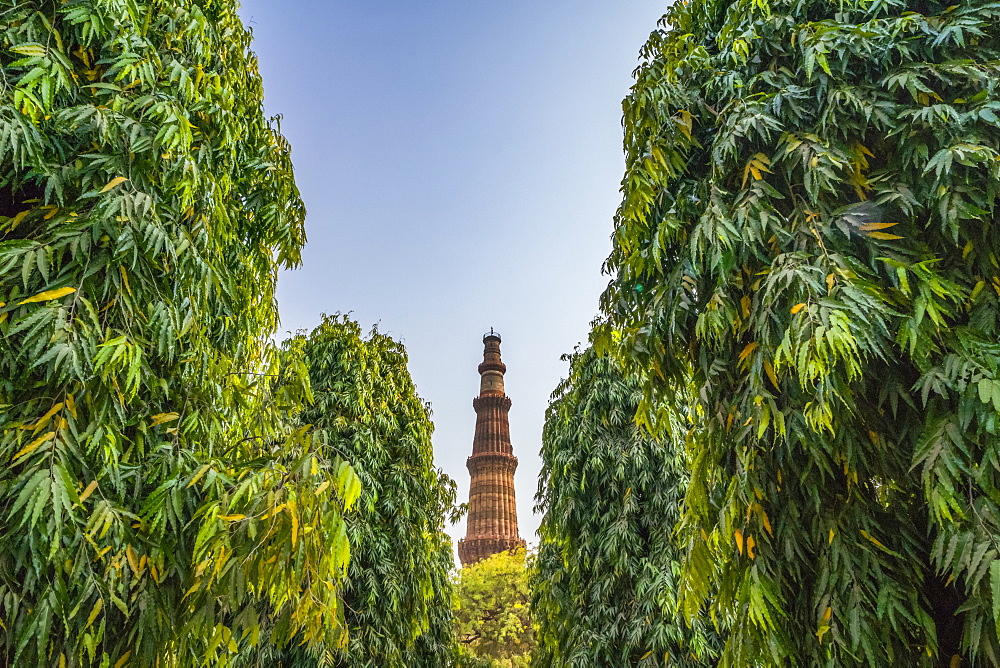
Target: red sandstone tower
(492,524)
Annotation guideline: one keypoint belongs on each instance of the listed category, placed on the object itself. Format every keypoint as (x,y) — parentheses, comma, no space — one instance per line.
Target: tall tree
(398,594)
(806,258)
(157,500)
(605,581)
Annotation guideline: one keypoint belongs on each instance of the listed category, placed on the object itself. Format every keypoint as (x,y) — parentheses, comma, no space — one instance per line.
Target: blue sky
(460,164)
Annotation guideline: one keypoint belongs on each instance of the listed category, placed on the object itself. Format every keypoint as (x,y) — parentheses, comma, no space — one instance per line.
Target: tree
(398,594)
(605,582)
(158,503)
(805,258)
(492,611)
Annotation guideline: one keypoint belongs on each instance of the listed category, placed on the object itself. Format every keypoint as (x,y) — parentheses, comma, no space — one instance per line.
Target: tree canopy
(492,611)
(159,505)
(398,593)
(605,582)
(805,259)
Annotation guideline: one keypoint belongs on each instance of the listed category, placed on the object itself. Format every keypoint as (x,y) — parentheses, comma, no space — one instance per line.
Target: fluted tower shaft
(492,522)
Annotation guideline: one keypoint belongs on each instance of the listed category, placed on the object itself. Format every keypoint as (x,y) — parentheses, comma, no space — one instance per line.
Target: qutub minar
(492,523)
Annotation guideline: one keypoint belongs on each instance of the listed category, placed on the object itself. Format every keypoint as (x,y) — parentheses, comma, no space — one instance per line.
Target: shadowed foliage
(604,590)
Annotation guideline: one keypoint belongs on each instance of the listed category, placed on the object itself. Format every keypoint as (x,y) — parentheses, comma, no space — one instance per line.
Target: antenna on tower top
(491,335)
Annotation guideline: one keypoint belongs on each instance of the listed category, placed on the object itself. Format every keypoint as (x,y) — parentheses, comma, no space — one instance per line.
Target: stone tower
(492,523)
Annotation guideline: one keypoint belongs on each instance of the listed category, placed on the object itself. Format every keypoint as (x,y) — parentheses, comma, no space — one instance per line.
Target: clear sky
(460,164)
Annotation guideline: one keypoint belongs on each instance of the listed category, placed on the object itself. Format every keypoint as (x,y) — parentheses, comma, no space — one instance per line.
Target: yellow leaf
(875,226)
(71,405)
(797,308)
(750,543)
(746,351)
(121,270)
(160,418)
(831,535)
(322,487)
(117,181)
(62,661)
(133,561)
(883,235)
(96,610)
(739,540)
(16,220)
(88,491)
(274,511)
(199,474)
(44,420)
(687,122)
(122,661)
(830,280)
(826,615)
(767,522)
(48,295)
(51,213)
(31,447)
(745,303)
(231,518)
(769,370)
(874,540)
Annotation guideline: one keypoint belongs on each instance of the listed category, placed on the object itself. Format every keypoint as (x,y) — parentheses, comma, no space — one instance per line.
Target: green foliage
(806,260)
(398,595)
(158,504)
(605,583)
(492,611)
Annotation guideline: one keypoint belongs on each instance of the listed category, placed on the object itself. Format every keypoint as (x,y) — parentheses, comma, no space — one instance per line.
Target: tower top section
(492,369)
